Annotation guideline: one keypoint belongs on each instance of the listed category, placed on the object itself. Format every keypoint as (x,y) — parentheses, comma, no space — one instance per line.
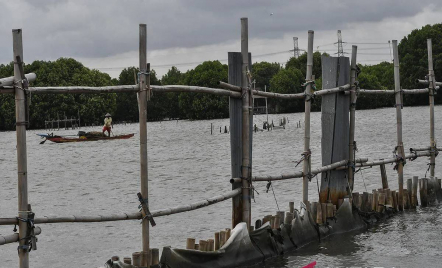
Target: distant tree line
(194,106)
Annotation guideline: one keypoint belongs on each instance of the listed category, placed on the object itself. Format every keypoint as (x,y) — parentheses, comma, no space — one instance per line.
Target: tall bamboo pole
(431,88)
(400,145)
(22,165)
(308,91)
(246,110)
(144,84)
(354,50)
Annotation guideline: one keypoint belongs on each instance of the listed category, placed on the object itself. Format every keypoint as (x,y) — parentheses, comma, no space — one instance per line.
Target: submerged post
(246,115)
(22,165)
(308,91)
(431,87)
(400,145)
(351,152)
(144,83)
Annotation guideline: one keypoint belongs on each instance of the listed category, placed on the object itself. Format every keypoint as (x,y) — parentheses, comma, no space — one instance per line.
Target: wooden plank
(335,128)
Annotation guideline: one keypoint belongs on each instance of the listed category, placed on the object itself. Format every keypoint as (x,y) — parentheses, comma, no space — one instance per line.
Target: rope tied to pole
(399,159)
(309,97)
(304,156)
(30,240)
(414,153)
(269,184)
(148,89)
(144,207)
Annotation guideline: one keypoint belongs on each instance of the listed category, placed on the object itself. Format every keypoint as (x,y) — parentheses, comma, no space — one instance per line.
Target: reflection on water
(187,164)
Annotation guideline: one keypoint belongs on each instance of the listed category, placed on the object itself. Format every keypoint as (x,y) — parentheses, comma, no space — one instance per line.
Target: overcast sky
(104,34)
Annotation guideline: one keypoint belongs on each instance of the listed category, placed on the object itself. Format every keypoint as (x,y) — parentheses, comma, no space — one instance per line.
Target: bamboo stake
(20,115)
(308,91)
(384,176)
(414,201)
(350,171)
(400,146)
(190,243)
(247,112)
(216,241)
(144,83)
(431,86)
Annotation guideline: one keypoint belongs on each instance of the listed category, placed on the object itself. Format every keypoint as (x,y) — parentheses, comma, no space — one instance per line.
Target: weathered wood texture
(335,128)
(235,115)
(352,122)
(144,83)
(384,176)
(432,87)
(306,163)
(400,145)
(247,124)
(22,162)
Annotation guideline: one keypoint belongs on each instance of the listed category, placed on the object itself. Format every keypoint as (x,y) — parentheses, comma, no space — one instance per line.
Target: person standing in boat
(107,124)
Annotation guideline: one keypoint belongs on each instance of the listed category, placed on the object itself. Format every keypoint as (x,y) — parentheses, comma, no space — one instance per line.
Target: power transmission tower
(340,47)
(295,47)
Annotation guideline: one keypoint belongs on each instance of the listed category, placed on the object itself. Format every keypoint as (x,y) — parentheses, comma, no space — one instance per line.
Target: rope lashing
(399,159)
(148,89)
(304,156)
(309,97)
(30,240)
(269,184)
(428,169)
(144,207)
(414,154)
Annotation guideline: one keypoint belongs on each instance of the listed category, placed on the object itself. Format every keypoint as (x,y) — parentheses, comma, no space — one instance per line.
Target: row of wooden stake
(139,259)
(210,244)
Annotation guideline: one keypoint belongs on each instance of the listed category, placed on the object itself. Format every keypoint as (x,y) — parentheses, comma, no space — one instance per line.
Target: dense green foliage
(287,79)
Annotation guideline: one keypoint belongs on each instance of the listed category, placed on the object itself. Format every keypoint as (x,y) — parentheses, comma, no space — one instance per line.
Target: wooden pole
(431,88)
(308,91)
(414,201)
(400,145)
(22,165)
(384,176)
(351,154)
(246,115)
(144,83)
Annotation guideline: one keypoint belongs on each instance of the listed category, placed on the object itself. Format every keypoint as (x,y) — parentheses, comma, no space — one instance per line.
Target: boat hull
(59,139)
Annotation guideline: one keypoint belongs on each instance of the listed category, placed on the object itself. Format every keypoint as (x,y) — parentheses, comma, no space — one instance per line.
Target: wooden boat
(63,139)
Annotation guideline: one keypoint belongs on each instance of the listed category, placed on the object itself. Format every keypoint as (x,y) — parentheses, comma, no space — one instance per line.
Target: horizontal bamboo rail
(286,96)
(425,82)
(389,160)
(300,174)
(9,81)
(128,216)
(229,86)
(391,92)
(332,90)
(179,88)
(124,88)
(7,239)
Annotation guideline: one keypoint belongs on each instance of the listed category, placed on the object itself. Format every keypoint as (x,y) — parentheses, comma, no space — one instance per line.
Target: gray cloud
(99,28)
